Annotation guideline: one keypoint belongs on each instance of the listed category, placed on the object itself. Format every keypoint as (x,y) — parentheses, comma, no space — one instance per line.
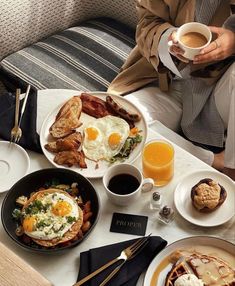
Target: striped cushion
(86,57)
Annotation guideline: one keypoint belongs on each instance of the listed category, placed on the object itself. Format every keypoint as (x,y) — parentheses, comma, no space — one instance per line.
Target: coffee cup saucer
(14,164)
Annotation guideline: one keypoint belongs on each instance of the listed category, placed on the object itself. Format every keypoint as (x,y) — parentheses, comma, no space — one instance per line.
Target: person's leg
(157,105)
(225,102)
(163,111)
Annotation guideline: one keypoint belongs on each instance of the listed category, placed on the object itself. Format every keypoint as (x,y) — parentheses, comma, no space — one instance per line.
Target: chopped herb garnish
(70,219)
(42,223)
(61,228)
(35,207)
(17,214)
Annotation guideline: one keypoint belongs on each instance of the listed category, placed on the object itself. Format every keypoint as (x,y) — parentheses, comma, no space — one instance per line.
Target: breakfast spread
(207,195)
(109,134)
(52,216)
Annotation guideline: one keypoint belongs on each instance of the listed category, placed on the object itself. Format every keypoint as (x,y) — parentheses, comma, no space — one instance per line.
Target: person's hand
(175,50)
(219,49)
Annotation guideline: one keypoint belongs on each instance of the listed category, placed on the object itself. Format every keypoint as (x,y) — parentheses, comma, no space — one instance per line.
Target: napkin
(30,137)
(130,271)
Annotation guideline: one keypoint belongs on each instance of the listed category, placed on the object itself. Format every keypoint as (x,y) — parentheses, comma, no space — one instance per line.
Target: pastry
(207,195)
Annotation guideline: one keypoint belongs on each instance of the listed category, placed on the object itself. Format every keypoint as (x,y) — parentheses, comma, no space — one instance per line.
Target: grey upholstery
(23,22)
(85,57)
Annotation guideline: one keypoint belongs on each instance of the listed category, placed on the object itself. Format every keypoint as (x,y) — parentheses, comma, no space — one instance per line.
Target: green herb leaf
(17,214)
(70,219)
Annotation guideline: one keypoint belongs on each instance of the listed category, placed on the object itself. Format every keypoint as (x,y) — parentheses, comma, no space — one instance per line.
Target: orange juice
(158,161)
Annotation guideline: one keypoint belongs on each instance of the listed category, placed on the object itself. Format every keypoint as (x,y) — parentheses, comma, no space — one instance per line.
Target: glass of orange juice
(158,161)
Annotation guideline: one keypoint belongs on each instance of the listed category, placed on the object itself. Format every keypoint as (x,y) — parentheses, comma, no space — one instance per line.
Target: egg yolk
(61,208)
(92,133)
(114,140)
(29,224)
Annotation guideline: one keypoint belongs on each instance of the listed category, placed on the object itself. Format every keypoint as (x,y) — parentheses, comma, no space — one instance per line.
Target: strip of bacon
(94,106)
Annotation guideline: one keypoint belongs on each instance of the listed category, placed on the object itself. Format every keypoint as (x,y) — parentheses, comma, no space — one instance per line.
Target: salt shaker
(156,201)
(166,214)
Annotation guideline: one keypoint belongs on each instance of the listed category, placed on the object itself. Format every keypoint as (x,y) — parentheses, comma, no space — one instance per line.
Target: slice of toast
(67,119)
(71,158)
(70,142)
(73,105)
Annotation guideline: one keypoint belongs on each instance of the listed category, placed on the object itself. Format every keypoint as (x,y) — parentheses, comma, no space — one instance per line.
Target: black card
(129,223)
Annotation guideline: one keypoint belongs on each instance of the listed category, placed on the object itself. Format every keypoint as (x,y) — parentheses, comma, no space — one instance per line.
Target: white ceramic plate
(14,164)
(186,243)
(91,171)
(183,203)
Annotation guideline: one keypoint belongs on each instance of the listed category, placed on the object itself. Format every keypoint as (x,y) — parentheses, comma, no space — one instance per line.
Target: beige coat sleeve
(155,17)
(142,66)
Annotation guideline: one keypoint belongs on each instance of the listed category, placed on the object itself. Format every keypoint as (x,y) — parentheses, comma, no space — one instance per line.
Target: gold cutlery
(116,270)
(14,130)
(125,255)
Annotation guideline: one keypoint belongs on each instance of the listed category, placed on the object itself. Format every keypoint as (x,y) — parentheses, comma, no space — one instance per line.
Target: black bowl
(32,182)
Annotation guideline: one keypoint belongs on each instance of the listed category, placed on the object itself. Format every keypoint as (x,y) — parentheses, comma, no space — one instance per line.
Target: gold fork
(14,130)
(125,255)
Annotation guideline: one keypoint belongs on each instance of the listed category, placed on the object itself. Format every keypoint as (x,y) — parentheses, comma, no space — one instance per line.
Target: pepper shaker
(166,214)
(156,201)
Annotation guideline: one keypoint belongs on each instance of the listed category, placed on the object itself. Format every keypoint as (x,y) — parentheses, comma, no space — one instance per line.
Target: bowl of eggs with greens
(50,210)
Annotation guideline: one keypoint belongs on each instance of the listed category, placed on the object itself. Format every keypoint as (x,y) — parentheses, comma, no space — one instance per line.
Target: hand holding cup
(189,40)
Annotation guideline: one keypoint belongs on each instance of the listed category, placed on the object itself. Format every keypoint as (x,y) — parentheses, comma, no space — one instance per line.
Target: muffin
(207,195)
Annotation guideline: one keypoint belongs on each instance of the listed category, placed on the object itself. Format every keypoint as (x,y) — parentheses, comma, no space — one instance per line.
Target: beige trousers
(167,108)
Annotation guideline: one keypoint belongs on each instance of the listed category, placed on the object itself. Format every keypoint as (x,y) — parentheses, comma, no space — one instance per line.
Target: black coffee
(123,184)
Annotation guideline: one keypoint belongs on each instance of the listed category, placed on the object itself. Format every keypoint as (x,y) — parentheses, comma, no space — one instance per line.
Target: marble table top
(62,269)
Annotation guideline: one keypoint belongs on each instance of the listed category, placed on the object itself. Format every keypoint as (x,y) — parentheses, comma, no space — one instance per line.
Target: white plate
(183,203)
(190,242)
(91,171)
(14,164)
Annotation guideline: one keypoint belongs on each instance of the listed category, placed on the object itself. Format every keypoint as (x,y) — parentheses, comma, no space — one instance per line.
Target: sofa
(72,44)
(69,44)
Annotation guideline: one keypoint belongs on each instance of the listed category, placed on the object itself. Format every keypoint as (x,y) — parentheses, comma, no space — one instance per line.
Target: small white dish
(183,202)
(14,164)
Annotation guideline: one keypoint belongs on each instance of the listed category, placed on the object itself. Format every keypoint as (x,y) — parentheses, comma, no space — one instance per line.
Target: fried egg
(50,216)
(104,137)
(116,134)
(93,140)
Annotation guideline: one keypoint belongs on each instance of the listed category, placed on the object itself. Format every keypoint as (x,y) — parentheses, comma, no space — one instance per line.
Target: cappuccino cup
(192,38)
(124,183)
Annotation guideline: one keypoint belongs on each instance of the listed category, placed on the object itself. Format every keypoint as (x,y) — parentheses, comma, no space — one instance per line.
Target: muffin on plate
(207,195)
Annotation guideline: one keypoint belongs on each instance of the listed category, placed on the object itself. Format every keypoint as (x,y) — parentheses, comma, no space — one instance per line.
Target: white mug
(190,52)
(144,185)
